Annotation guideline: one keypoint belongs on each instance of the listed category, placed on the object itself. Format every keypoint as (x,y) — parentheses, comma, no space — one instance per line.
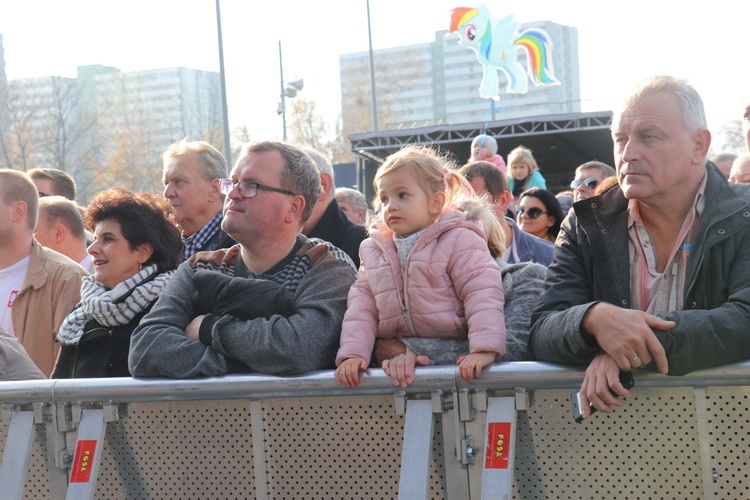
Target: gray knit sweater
(523,283)
(318,274)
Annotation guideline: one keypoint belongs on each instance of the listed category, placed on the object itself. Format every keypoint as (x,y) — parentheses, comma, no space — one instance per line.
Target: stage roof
(559,142)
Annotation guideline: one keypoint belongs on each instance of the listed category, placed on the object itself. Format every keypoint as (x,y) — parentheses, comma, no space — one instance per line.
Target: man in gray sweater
(271,193)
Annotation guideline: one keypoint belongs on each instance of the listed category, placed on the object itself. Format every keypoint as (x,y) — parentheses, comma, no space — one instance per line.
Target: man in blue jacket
(657,268)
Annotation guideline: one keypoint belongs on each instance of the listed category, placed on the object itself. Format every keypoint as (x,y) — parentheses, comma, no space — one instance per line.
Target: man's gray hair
(299,174)
(690,102)
(322,164)
(214,164)
(353,197)
(603,168)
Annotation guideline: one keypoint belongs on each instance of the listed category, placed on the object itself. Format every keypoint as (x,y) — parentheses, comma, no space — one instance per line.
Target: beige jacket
(49,293)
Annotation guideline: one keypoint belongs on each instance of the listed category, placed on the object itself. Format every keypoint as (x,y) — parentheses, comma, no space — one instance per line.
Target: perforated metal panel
(195,449)
(662,443)
(339,448)
(647,448)
(729,421)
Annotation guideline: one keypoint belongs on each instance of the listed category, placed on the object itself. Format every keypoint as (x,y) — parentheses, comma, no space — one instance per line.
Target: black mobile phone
(626,379)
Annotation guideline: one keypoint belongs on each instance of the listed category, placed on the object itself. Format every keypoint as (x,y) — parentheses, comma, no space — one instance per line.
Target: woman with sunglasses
(539,213)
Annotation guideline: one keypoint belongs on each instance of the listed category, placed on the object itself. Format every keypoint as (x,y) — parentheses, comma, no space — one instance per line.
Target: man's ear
(701,143)
(295,209)
(214,192)
(20,210)
(59,232)
(503,201)
(437,202)
(327,181)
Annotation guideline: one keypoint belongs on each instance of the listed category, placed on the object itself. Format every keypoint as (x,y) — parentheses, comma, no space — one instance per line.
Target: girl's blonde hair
(522,154)
(435,173)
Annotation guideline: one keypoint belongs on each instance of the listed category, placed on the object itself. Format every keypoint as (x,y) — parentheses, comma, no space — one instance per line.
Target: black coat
(336,229)
(101,352)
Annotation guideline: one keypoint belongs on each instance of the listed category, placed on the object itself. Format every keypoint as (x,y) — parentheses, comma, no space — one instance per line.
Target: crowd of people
(272,269)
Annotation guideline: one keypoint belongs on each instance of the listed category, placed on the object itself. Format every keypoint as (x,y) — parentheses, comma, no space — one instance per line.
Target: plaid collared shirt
(194,242)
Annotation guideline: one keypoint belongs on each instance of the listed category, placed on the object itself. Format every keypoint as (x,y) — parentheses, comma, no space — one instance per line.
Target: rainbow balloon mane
(496,42)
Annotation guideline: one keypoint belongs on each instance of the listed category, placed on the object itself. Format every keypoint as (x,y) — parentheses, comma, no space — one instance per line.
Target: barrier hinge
(522,398)
(400,402)
(468,452)
(438,402)
(465,410)
(111,411)
(7,411)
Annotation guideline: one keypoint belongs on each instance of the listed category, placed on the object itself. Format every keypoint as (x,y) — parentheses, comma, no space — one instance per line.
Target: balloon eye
(470,33)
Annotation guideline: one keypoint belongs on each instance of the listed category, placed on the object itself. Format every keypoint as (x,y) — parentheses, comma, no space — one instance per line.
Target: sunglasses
(589,182)
(531,213)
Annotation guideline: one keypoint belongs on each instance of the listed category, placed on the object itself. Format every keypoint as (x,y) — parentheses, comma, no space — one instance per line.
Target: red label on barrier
(83,460)
(498,445)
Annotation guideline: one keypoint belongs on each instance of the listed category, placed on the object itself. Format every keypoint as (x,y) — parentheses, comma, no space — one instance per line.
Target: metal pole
(222,78)
(283,105)
(372,74)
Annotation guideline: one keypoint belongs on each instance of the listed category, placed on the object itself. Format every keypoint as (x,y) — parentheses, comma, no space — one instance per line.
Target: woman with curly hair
(135,250)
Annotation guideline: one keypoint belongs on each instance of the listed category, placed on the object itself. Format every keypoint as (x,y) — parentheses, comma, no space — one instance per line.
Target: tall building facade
(107,127)
(438,83)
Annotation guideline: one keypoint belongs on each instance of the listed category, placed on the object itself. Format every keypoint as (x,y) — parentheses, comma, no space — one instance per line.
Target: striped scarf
(114,307)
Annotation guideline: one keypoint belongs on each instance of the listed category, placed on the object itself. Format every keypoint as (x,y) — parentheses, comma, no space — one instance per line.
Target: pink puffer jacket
(451,287)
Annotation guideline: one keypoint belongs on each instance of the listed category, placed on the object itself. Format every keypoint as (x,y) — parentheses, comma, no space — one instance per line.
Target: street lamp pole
(222,76)
(282,107)
(289,89)
(372,74)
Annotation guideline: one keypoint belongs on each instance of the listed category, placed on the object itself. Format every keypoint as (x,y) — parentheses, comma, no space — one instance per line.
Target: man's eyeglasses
(531,213)
(42,195)
(589,182)
(248,189)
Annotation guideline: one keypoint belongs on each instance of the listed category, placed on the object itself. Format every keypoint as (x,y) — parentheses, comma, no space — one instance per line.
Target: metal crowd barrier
(508,434)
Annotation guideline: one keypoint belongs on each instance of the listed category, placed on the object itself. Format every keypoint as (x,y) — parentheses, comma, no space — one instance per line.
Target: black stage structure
(559,143)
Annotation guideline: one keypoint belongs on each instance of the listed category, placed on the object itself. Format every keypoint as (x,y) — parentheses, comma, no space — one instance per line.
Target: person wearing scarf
(135,252)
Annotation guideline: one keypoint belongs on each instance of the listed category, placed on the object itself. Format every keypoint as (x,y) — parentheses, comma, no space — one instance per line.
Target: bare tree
(17,141)
(307,127)
(729,138)
(393,79)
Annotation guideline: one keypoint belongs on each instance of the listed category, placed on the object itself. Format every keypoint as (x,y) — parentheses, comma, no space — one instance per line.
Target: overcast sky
(619,43)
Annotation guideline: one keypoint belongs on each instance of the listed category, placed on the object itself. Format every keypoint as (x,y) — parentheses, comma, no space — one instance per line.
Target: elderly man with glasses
(588,177)
(269,195)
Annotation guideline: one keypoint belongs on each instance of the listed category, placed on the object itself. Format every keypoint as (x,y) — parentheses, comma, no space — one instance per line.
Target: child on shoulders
(484,148)
(426,269)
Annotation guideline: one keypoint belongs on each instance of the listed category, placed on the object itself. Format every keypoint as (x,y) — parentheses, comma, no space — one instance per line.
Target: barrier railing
(509,433)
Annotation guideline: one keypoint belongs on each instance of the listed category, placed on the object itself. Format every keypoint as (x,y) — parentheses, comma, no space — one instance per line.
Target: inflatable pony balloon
(495,43)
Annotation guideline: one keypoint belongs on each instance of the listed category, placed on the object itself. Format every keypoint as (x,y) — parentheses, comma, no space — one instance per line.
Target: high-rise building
(3,77)
(108,127)
(438,83)
(168,103)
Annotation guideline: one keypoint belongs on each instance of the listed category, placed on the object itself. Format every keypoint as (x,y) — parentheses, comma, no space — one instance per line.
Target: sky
(620,43)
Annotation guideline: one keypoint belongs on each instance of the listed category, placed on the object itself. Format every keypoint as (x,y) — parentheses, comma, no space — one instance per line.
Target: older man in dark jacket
(658,266)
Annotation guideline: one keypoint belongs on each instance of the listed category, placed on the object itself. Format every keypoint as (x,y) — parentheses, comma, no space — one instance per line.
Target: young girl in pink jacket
(426,270)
